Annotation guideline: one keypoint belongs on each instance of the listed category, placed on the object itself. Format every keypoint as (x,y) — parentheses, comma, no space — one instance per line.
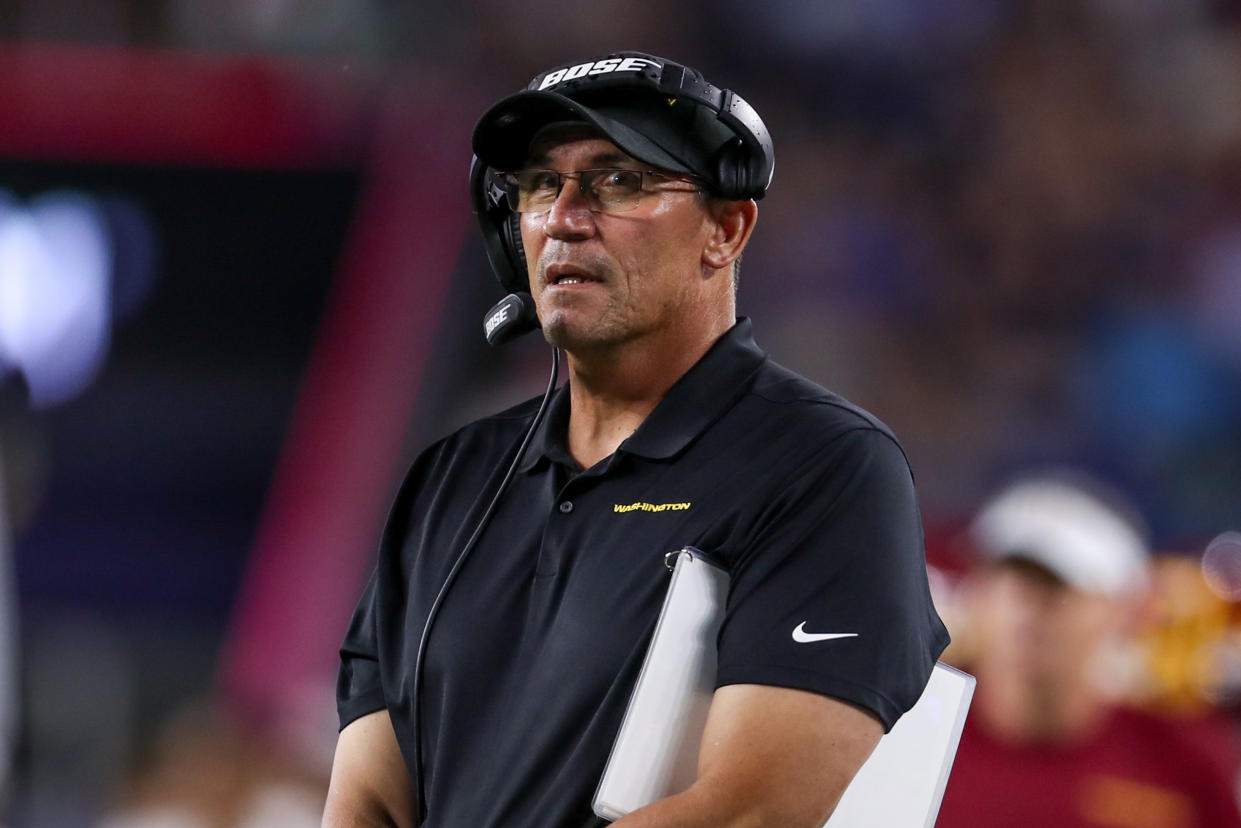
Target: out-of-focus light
(1221,566)
(55,310)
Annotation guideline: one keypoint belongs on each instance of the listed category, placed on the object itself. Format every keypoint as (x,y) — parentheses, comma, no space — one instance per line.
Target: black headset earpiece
(744,167)
(516,251)
(501,229)
(733,171)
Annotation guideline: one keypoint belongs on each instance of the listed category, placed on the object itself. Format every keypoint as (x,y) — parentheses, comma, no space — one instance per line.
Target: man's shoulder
(512,419)
(494,432)
(798,400)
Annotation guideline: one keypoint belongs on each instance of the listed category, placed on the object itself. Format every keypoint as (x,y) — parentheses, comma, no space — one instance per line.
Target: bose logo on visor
(598,67)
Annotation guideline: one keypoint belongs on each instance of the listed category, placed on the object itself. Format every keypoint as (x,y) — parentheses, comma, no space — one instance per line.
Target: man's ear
(733,222)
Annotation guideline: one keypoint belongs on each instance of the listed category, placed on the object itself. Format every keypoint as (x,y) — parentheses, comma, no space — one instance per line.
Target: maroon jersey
(1138,771)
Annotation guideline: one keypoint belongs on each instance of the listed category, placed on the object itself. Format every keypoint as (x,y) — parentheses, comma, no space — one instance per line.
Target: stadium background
(239,288)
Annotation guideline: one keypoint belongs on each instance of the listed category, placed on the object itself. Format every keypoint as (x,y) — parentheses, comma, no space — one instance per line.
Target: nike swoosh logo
(802,637)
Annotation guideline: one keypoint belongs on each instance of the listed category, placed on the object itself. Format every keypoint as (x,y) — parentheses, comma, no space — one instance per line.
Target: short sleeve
(359,681)
(830,593)
(359,690)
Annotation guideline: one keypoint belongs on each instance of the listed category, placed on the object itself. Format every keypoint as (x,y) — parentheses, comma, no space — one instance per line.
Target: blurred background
(239,288)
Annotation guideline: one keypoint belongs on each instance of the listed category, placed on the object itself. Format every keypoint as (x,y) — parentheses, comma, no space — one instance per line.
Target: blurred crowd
(1010,228)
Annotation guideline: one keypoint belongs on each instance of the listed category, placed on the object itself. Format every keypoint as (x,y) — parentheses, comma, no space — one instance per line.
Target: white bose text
(598,67)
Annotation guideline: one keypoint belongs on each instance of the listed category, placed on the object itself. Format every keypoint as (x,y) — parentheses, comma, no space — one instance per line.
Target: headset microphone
(511,317)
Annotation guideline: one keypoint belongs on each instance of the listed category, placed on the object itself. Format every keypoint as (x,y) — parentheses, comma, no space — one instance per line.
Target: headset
(743,167)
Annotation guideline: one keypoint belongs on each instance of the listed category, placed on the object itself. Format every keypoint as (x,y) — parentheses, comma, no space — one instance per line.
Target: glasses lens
(606,190)
(613,190)
(531,191)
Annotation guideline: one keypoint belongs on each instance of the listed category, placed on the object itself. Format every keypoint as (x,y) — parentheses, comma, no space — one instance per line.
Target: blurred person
(205,770)
(625,187)
(1048,744)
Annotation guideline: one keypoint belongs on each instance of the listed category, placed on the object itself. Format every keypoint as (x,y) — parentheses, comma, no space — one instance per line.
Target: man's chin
(569,337)
(574,334)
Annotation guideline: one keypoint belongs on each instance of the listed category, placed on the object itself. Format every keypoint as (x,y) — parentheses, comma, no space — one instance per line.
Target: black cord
(420,791)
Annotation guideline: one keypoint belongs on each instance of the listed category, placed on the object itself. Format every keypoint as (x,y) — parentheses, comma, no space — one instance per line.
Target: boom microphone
(512,316)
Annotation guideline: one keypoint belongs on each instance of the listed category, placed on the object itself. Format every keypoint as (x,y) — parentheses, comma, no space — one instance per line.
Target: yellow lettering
(643,506)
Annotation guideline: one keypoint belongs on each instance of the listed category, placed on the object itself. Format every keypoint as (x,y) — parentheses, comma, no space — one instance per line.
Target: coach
(485,690)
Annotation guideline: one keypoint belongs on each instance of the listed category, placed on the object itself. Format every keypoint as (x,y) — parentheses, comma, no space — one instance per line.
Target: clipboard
(656,749)
(901,784)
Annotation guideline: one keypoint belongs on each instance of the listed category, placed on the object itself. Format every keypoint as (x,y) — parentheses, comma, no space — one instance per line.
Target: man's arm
(770,756)
(370,786)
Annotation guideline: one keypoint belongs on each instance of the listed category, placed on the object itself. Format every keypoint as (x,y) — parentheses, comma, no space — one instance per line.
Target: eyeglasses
(606,190)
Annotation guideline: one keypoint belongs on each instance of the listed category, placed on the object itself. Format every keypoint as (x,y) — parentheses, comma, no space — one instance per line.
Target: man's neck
(611,392)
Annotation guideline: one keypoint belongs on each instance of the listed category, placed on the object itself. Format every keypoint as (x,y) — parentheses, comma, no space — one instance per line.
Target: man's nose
(570,215)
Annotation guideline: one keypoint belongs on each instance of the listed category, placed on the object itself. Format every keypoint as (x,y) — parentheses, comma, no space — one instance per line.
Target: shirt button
(566,506)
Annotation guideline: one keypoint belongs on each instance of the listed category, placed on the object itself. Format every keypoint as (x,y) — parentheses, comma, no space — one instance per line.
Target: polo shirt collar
(550,440)
(696,400)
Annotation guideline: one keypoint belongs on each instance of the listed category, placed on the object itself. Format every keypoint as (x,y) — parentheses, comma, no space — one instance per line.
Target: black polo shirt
(807,500)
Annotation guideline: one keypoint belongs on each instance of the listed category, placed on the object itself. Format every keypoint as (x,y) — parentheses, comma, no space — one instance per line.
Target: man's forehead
(574,140)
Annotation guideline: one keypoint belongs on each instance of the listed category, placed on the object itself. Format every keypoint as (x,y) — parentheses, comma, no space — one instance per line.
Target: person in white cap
(1064,572)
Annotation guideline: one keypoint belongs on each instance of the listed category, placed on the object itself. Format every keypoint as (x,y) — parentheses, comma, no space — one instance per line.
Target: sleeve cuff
(883,708)
(360,705)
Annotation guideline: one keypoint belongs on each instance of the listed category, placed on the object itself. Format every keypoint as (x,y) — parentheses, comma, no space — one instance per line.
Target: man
(624,187)
(1046,746)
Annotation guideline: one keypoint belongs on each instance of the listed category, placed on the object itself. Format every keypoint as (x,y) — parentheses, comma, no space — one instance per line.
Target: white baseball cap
(1061,523)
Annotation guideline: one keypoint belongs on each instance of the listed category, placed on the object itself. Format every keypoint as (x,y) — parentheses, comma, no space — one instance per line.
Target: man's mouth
(564,276)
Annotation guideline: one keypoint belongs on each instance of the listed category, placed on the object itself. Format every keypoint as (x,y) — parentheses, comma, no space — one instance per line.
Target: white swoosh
(802,637)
